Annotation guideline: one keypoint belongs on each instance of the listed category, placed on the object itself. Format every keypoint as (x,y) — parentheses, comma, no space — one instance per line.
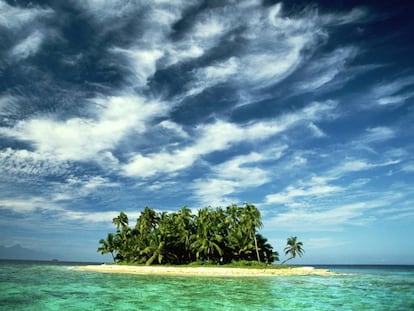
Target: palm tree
(155,250)
(207,239)
(147,221)
(240,245)
(183,222)
(120,221)
(107,246)
(252,221)
(293,248)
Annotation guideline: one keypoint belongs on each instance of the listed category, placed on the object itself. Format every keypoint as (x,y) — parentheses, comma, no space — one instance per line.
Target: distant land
(19,252)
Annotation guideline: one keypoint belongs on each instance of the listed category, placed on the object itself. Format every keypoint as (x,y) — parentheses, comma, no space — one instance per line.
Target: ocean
(42,286)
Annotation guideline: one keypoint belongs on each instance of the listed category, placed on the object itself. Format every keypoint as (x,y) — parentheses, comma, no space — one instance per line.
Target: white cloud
(27,46)
(145,166)
(25,27)
(387,93)
(273,66)
(89,217)
(272,49)
(31,205)
(316,130)
(392,100)
(99,182)
(357,165)
(325,69)
(334,219)
(212,75)
(30,163)
(143,63)
(74,187)
(378,134)
(28,207)
(152,47)
(229,177)
(291,193)
(355,15)
(316,188)
(13,17)
(210,27)
(184,51)
(106,10)
(220,136)
(174,128)
(81,139)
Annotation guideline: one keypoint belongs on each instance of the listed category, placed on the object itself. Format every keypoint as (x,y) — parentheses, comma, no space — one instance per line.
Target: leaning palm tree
(293,248)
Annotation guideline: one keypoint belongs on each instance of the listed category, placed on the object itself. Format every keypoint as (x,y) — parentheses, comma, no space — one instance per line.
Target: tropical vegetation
(293,248)
(212,236)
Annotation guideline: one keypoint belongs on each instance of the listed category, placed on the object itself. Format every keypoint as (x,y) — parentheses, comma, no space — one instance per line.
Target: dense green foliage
(218,236)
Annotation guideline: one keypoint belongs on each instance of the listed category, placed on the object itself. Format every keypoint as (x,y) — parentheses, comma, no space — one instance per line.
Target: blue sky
(304,109)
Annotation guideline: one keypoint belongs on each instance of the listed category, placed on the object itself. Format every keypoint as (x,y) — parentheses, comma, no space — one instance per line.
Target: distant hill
(19,252)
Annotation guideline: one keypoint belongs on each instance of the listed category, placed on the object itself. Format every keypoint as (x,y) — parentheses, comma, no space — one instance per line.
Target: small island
(215,242)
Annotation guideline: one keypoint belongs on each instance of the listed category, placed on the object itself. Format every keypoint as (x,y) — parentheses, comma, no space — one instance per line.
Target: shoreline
(203,271)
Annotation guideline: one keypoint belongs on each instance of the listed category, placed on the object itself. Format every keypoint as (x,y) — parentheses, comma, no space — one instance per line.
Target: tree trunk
(286,260)
(151,259)
(257,248)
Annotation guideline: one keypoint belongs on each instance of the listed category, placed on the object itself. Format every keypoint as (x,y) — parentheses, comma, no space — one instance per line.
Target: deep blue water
(53,286)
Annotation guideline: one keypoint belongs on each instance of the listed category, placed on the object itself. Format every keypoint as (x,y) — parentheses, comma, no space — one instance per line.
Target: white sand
(203,271)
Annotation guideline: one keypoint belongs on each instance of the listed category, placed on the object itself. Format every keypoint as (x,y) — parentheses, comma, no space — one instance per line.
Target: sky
(304,109)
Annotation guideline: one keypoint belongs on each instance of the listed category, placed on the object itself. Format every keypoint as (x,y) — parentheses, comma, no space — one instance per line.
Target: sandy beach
(203,271)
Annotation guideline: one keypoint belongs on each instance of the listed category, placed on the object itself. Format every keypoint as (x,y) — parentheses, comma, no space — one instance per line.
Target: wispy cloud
(356,15)
(25,29)
(333,219)
(220,136)
(79,139)
(239,173)
(13,17)
(276,61)
(292,193)
(378,134)
(322,71)
(357,165)
(22,206)
(58,212)
(28,46)
(141,63)
(395,92)
(80,187)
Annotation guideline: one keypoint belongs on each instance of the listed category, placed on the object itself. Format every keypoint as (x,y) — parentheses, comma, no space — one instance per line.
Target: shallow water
(48,286)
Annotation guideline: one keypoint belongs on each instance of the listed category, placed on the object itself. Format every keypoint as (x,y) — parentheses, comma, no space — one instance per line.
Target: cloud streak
(81,139)
(220,136)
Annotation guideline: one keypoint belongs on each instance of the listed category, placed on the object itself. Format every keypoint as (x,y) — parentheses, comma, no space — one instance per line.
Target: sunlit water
(48,286)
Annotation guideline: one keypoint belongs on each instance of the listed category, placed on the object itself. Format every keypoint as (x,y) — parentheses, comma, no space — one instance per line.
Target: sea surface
(54,286)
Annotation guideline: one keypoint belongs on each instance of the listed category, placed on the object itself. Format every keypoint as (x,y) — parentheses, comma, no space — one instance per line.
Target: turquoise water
(48,286)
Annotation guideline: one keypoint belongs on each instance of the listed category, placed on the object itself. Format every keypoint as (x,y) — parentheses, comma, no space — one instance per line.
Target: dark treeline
(218,236)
